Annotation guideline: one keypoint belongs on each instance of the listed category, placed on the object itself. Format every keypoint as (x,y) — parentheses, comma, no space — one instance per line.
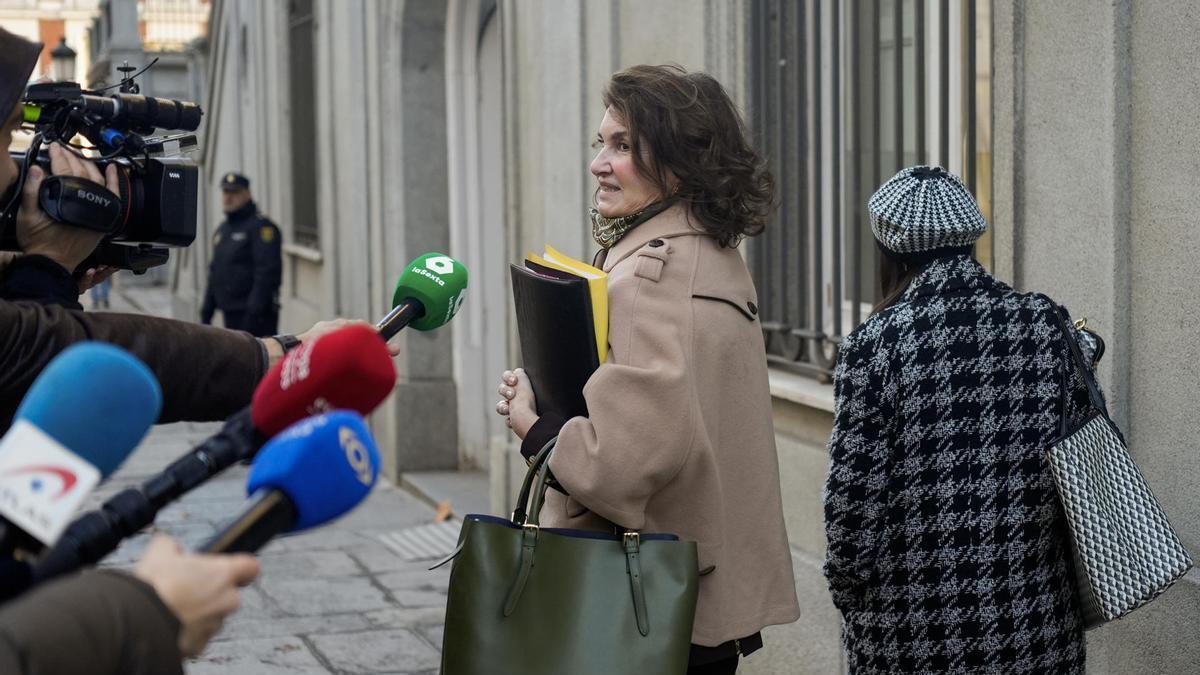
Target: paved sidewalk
(331,600)
(127,296)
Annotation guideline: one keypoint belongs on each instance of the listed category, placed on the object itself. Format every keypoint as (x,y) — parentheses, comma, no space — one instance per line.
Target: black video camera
(156,207)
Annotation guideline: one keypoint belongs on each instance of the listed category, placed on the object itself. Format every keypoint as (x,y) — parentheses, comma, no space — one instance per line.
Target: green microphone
(428,294)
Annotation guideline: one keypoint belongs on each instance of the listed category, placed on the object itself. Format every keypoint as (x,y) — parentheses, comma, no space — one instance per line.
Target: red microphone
(346,369)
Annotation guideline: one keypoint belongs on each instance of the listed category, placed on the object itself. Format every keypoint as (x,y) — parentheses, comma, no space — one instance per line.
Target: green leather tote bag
(524,600)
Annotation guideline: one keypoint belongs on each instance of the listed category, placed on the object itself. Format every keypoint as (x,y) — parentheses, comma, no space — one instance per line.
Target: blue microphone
(311,473)
(82,416)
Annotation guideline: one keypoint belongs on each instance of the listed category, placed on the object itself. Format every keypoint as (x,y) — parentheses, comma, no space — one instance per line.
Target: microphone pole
(309,474)
(97,533)
(270,513)
(401,315)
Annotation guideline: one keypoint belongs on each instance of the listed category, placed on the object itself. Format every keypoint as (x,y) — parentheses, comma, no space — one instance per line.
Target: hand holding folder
(562,321)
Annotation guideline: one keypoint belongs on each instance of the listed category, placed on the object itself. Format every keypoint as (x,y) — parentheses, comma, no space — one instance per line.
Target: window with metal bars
(844,95)
(301,81)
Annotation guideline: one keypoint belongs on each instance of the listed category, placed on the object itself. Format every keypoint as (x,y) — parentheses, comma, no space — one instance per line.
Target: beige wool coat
(679,436)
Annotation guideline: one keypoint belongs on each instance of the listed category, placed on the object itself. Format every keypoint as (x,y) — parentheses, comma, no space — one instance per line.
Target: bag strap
(519,513)
(528,522)
(631,542)
(1064,399)
(542,484)
(1080,363)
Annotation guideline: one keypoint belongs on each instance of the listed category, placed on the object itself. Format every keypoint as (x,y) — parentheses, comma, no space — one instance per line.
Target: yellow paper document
(597,289)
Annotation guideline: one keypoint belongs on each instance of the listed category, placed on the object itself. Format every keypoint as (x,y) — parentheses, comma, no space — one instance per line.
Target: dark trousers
(723,667)
(258,325)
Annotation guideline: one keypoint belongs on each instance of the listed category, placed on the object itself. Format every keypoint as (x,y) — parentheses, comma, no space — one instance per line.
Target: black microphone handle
(94,535)
(15,578)
(271,513)
(86,540)
(237,441)
(399,317)
(8,538)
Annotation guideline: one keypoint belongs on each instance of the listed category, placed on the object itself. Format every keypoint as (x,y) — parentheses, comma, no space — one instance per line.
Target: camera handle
(80,202)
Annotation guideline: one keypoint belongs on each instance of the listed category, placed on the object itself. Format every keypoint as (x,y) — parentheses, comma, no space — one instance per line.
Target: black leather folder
(558,340)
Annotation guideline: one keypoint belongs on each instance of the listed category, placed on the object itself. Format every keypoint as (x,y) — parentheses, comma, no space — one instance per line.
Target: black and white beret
(924,212)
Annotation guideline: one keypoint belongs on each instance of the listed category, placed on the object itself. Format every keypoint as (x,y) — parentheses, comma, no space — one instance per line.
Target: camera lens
(159,112)
(146,111)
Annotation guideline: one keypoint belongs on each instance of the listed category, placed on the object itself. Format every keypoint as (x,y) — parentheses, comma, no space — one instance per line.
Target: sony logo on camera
(93,198)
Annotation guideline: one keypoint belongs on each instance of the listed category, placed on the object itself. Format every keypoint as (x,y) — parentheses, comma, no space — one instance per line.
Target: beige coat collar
(674,222)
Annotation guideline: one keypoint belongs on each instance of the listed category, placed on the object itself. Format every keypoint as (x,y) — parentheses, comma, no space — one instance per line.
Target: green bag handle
(539,494)
(542,457)
(539,471)
(518,514)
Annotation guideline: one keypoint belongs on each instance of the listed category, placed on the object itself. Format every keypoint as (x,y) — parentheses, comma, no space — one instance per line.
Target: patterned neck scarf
(608,231)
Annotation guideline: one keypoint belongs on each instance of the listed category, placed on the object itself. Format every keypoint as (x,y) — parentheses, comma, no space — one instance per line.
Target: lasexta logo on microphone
(435,268)
(454,305)
(442,264)
(429,275)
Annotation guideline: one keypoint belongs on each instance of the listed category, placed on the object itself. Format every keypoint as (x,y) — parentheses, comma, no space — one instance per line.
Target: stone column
(419,426)
(124,43)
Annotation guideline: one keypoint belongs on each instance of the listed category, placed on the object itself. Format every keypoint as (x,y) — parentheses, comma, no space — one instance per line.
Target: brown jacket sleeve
(94,623)
(206,373)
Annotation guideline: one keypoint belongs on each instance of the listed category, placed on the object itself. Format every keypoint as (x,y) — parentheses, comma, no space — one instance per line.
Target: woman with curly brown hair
(679,435)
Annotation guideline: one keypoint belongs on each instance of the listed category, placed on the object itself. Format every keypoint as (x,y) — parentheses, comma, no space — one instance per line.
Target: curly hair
(685,125)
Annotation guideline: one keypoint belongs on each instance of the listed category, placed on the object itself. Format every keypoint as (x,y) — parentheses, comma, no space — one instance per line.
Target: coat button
(655,243)
(753,308)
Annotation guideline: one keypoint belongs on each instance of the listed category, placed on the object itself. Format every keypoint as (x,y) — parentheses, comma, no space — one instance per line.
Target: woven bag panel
(1123,544)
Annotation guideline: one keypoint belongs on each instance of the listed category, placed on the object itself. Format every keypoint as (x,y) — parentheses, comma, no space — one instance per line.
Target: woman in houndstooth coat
(948,548)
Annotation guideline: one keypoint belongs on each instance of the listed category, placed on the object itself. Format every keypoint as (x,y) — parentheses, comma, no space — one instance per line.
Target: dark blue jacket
(246,265)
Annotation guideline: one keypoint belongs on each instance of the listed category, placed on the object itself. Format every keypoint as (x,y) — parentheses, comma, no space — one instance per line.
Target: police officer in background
(243,280)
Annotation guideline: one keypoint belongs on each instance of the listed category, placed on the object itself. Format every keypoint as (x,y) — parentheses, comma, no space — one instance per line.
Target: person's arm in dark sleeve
(541,433)
(856,489)
(267,251)
(42,280)
(206,373)
(94,623)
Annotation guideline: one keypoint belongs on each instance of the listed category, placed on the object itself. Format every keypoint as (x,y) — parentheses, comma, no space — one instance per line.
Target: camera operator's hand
(37,234)
(200,589)
(95,276)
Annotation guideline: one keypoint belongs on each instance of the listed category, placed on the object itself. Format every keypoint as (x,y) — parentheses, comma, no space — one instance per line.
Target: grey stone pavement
(329,600)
